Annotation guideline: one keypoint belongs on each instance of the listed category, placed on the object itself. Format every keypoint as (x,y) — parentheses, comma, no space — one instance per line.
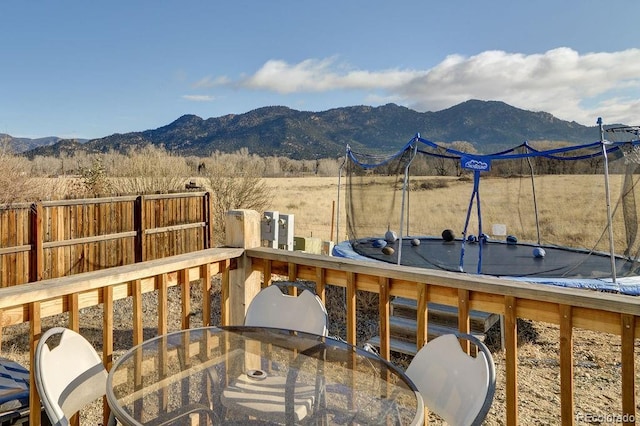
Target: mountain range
(489,126)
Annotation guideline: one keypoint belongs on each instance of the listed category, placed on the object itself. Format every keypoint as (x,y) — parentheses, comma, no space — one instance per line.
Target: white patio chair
(272,308)
(456,386)
(68,376)
(265,398)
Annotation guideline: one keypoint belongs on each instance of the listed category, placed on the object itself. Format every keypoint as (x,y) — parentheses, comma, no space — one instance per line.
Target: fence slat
(37,235)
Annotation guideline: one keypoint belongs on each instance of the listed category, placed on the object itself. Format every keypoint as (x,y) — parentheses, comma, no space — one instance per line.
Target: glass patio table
(218,375)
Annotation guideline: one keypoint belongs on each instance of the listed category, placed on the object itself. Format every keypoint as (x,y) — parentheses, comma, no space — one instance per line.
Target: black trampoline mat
(498,258)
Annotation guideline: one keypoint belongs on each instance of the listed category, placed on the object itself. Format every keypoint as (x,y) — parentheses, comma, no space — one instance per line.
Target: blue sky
(89,69)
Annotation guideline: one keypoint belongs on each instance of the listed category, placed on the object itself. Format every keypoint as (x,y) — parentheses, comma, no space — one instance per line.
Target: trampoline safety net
(536,210)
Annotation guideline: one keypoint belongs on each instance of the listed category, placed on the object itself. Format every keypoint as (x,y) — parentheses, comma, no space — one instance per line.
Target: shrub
(429,184)
(95,180)
(235,182)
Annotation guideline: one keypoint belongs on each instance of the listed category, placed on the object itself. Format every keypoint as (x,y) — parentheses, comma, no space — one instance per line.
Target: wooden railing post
(566,365)
(385,313)
(628,370)
(205,273)
(35,329)
(107,341)
(185,291)
(511,359)
(351,308)
(464,322)
(422,318)
(242,231)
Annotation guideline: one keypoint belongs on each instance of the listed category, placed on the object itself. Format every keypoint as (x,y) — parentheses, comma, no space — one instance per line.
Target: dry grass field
(571,209)
(314,202)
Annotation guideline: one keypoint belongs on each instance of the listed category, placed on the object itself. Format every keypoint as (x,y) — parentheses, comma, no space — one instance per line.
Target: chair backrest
(456,386)
(272,308)
(69,375)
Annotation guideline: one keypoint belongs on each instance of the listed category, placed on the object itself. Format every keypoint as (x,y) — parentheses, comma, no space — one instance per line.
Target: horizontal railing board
(79,283)
(483,284)
(58,305)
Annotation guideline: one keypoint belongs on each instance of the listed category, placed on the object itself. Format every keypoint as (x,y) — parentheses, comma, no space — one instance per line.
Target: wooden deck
(244,269)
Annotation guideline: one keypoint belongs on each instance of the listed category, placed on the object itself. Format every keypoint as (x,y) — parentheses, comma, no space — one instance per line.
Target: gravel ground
(597,371)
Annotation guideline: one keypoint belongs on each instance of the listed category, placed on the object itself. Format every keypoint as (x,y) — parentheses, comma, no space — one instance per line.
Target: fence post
(209,220)
(37,241)
(139,224)
(243,231)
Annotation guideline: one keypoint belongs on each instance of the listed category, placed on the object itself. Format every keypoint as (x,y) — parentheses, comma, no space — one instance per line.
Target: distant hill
(276,130)
(25,144)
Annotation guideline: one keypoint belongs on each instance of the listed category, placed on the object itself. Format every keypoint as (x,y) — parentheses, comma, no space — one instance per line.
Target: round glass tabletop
(219,375)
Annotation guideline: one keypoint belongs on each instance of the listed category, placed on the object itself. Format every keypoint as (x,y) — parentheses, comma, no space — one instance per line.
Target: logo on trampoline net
(475,164)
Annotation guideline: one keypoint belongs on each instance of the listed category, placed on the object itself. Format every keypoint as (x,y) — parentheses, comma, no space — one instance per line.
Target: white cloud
(199,98)
(209,82)
(324,75)
(561,81)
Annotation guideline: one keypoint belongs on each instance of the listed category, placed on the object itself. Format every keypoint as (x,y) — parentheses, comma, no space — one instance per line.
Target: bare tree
(147,170)
(462,146)
(15,185)
(235,183)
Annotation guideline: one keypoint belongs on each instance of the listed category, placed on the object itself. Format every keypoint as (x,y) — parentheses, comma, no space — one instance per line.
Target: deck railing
(243,270)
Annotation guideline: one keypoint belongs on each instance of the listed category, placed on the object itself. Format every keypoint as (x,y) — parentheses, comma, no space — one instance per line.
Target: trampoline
(380,195)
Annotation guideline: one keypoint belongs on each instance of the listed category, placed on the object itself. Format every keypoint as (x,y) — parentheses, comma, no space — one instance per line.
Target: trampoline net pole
(608,200)
(405,185)
(535,202)
(339,186)
(474,194)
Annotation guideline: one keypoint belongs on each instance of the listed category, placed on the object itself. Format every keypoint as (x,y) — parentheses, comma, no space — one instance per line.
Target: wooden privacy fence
(52,239)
